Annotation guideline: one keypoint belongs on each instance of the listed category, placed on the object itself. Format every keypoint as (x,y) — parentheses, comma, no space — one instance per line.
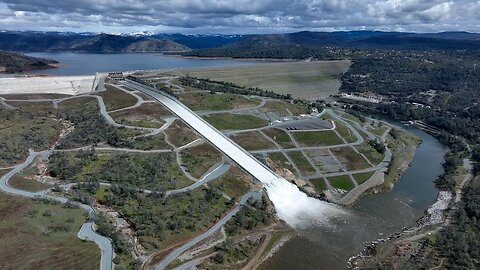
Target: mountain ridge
(101,43)
(34,41)
(14,62)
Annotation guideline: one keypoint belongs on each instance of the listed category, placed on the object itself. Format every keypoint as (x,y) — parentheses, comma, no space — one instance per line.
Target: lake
(90,63)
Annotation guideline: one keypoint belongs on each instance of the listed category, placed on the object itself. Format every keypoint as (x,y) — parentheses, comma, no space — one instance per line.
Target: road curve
(86,232)
(177,252)
(214,173)
(222,142)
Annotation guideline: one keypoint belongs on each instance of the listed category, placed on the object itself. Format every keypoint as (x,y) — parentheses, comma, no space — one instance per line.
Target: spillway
(292,205)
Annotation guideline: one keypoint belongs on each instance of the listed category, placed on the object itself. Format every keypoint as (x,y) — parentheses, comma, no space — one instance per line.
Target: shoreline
(27,69)
(377,182)
(436,217)
(433,219)
(273,60)
(275,248)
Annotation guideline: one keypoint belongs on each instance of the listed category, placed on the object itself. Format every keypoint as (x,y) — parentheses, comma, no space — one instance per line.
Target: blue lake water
(89,63)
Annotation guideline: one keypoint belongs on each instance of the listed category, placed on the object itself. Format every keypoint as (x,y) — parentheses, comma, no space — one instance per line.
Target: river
(373,216)
(89,63)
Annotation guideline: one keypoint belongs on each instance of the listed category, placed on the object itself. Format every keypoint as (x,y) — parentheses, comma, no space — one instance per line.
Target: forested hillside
(94,43)
(452,78)
(15,62)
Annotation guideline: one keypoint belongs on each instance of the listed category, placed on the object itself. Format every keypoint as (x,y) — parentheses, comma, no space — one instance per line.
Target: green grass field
(341,182)
(319,184)
(218,101)
(24,180)
(309,80)
(234,183)
(345,132)
(147,115)
(40,235)
(281,161)
(199,159)
(314,138)
(403,150)
(252,141)
(36,108)
(180,134)
(362,177)
(372,155)
(228,121)
(351,159)
(379,131)
(148,143)
(279,136)
(350,117)
(301,162)
(116,99)
(282,107)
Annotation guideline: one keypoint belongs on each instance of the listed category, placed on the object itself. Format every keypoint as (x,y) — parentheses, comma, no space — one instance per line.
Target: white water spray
(296,208)
(292,205)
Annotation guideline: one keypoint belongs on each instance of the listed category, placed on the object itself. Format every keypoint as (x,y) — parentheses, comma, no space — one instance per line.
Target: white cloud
(245,16)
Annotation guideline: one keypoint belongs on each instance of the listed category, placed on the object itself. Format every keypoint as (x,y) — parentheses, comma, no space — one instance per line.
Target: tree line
(228,87)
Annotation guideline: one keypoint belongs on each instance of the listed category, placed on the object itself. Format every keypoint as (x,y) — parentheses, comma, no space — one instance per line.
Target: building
(116,75)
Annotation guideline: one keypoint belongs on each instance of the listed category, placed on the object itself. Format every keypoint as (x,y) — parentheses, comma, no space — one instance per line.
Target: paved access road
(86,232)
(222,142)
(177,252)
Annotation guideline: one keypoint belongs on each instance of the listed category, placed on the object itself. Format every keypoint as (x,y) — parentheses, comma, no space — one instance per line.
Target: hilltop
(15,62)
(322,44)
(92,43)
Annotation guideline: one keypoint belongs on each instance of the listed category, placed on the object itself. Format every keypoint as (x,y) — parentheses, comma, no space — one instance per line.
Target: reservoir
(89,63)
(374,216)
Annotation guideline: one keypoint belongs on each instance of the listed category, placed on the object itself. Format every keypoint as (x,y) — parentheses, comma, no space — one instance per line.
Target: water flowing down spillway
(297,209)
(292,205)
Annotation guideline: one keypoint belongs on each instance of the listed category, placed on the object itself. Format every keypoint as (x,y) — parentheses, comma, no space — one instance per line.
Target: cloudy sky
(239,16)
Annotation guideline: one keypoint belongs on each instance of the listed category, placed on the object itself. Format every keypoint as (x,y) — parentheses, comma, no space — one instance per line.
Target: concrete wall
(69,85)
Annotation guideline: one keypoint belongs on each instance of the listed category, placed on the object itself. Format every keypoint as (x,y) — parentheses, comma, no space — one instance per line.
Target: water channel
(372,217)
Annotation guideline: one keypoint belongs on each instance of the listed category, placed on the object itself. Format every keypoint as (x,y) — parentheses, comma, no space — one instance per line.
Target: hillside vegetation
(16,62)
(101,43)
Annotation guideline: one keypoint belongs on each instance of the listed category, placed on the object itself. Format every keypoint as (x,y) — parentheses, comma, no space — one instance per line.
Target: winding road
(222,142)
(243,158)
(177,252)
(86,232)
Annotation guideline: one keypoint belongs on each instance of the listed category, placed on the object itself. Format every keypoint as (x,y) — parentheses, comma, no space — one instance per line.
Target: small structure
(116,76)
(361,97)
